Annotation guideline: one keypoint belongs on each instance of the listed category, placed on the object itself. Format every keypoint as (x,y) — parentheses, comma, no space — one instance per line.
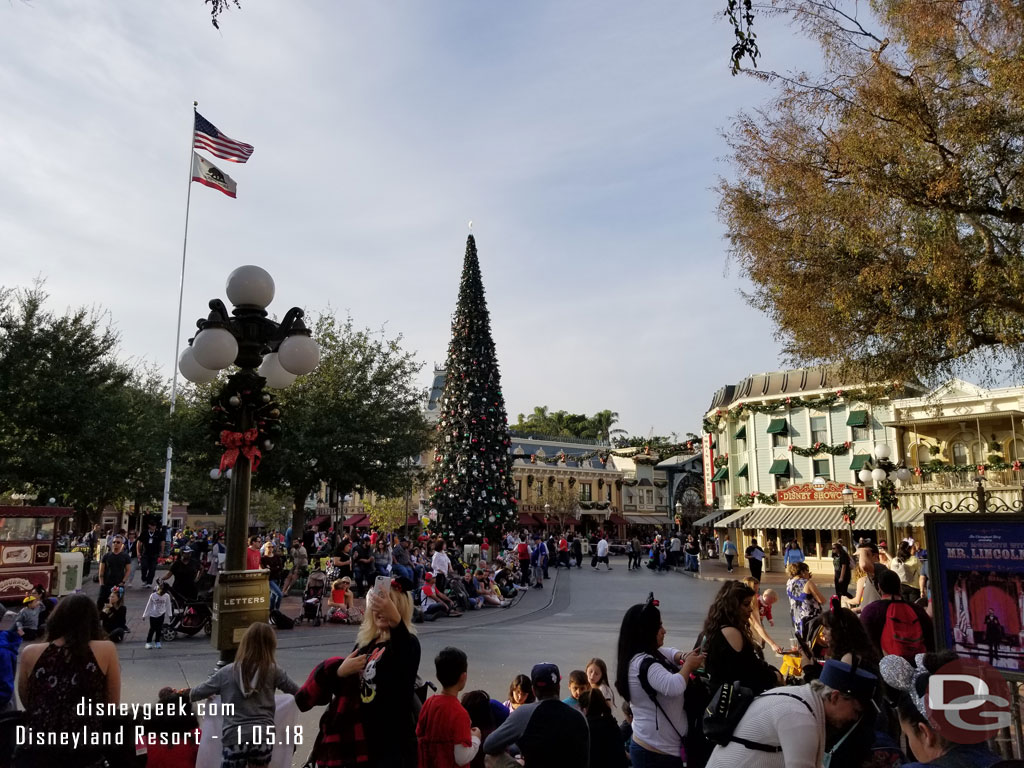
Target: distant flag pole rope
(177,333)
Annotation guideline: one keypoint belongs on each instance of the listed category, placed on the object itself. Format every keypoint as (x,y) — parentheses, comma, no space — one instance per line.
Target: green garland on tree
(472,489)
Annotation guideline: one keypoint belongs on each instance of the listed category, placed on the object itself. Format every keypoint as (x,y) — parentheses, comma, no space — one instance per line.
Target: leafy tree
(196,450)
(387,513)
(561,502)
(75,423)
(878,204)
(352,423)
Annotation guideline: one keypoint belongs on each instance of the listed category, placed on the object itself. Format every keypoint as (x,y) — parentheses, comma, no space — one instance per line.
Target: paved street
(575,617)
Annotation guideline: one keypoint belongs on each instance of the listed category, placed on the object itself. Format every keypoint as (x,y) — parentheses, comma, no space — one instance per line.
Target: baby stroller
(189,617)
(313,598)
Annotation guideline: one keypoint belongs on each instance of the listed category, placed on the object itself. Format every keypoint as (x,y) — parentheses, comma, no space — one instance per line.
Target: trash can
(70,569)
(586,545)
(86,560)
(240,598)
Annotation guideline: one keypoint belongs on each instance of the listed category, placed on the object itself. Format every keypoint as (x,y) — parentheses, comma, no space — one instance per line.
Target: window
(519,489)
(650,498)
(540,489)
(826,542)
(585,492)
(1015,450)
(819,429)
(924,456)
(561,486)
(780,440)
(861,434)
(960,454)
(782,481)
(810,542)
(821,468)
(977,453)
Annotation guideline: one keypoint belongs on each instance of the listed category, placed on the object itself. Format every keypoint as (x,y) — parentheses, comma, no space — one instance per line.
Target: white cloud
(580,138)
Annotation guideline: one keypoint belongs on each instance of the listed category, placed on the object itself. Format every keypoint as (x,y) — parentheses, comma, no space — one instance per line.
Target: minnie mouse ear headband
(651,602)
(402,584)
(899,674)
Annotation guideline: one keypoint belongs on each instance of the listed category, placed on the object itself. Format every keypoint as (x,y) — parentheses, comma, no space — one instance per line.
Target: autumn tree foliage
(877,206)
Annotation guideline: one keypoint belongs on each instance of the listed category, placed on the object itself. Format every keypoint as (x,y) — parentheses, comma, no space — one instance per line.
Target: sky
(582,139)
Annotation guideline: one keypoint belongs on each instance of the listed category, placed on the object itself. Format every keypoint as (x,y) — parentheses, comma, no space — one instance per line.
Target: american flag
(216,143)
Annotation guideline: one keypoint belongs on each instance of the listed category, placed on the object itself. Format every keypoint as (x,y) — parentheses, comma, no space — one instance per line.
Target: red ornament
(791,447)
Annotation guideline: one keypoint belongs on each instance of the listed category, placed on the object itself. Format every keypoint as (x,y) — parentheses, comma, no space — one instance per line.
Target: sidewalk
(712,569)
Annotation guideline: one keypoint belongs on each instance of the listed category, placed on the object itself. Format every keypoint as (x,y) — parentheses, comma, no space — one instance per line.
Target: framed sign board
(976,567)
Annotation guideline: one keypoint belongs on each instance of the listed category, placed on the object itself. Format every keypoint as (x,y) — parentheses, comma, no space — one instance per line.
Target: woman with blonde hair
(249,685)
(369,693)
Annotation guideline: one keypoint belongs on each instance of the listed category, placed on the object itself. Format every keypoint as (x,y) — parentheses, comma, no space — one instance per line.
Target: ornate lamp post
(267,353)
(679,518)
(883,474)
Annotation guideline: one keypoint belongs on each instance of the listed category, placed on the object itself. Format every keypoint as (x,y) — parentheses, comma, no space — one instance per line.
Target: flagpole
(177,335)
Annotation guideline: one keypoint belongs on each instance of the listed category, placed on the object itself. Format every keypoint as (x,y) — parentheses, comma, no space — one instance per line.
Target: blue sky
(582,139)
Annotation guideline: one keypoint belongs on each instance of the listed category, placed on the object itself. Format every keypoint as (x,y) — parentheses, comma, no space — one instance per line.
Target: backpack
(902,634)
(727,708)
(695,699)
(523,550)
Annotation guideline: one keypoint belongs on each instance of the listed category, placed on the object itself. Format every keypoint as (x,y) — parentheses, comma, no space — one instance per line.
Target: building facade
(787,448)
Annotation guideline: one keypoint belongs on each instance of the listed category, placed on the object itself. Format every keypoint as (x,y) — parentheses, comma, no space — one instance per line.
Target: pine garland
(840,449)
(867,396)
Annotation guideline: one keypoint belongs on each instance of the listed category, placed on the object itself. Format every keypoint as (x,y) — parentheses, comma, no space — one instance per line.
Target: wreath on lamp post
(849,513)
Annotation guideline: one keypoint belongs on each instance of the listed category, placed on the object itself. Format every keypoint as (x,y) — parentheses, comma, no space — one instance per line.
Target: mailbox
(239,599)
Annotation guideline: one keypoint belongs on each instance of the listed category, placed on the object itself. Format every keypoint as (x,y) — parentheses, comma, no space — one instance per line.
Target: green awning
(741,433)
(742,472)
(859,461)
(778,427)
(779,467)
(721,474)
(857,419)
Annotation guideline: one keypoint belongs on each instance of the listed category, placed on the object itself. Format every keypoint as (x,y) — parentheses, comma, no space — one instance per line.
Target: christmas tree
(472,489)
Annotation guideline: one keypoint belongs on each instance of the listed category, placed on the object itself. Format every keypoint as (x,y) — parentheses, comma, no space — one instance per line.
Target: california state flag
(209,174)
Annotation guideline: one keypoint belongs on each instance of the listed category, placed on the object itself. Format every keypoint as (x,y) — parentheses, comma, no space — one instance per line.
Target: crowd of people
(848,694)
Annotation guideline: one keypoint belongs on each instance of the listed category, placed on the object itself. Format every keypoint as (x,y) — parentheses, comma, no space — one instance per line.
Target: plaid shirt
(341,740)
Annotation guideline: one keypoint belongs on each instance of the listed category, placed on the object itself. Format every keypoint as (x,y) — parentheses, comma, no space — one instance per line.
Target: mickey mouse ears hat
(849,680)
(545,677)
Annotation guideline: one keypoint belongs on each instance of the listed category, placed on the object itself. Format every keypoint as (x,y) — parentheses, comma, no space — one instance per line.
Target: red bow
(236,443)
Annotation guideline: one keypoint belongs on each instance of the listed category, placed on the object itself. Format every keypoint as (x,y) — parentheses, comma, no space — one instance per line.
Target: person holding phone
(644,663)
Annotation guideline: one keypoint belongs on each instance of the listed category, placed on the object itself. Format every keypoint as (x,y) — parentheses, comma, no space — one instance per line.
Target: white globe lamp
(865,476)
(298,354)
(903,474)
(192,370)
(878,474)
(250,286)
(215,473)
(215,348)
(276,376)
(881,451)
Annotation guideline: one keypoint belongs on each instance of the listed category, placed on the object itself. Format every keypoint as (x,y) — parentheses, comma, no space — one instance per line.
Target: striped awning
(826,518)
(648,519)
(718,514)
(908,516)
(733,520)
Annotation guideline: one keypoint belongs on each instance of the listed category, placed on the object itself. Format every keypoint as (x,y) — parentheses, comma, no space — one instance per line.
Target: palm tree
(603,421)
